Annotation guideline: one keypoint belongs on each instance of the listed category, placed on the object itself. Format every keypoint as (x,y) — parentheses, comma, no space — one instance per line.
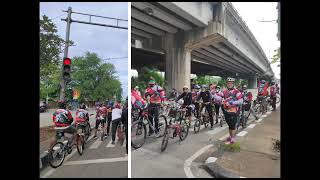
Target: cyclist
(206,97)
(217,98)
(187,100)
(109,118)
(82,115)
(195,95)
(116,118)
(247,99)
(278,89)
(263,93)
(61,118)
(230,107)
(100,119)
(273,95)
(124,118)
(152,94)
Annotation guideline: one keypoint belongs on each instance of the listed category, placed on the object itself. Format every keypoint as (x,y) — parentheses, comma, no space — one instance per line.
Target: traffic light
(67,69)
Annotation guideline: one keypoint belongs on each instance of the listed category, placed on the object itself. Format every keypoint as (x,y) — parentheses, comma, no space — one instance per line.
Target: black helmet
(62,104)
(83,106)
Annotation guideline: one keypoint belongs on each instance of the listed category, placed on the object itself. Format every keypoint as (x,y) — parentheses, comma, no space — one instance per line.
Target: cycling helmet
(152,82)
(204,86)
(197,87)
(263,81)
(185,87)
(229,79)
(62,104)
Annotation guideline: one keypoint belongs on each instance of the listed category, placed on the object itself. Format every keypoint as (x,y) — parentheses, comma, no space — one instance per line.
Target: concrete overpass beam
(147,28)
(178,63)
(163,15)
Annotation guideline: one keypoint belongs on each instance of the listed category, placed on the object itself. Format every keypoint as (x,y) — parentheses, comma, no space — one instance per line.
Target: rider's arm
(239,100)
(181,96)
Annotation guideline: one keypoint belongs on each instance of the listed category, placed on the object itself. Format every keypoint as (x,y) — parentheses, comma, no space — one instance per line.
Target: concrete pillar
(138,44)
(252,82)
(178,62)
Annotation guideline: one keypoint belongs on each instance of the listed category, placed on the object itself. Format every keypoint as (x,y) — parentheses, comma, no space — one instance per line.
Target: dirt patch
(46,133)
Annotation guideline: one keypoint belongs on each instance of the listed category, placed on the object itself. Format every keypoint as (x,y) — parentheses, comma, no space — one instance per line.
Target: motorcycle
(43,108)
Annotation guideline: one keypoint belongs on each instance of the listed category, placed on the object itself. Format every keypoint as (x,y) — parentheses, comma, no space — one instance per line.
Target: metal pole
(62,82)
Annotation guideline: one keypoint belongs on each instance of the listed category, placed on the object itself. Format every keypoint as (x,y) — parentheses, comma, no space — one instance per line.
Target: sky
(264,32)
(106,42)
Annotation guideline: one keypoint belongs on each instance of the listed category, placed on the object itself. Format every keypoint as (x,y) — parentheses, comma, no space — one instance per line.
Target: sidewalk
(256,158)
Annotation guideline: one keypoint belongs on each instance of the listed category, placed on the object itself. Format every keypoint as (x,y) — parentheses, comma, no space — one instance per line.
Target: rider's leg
(151,115)
(217,107)
(156,118)
(109,122)
(115,124)
(96,128)
(209,110)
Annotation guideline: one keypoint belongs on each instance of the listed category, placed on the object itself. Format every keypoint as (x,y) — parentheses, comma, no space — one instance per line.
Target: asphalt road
(99,160)
(149,162)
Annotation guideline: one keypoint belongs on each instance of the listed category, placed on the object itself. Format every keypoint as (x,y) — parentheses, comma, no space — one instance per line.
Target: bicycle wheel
(56,155)
(162,125)
(138,134)
(87,131)
(80,144)
(165,140)
(184,130)
(197,124)
(257,110)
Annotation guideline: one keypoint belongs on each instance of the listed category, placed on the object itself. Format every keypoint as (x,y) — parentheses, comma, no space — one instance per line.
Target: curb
(218,172)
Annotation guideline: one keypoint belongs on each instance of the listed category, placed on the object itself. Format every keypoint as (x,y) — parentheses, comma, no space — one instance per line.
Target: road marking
(242,177)
(111,145)
(96,161)
(264,116)
(52,170)
(147,151)
(251,125)
(242,133)
(224,137)
(269,112)
(216,130)
(211,160)
(259,120)
(187,163)
(96,144)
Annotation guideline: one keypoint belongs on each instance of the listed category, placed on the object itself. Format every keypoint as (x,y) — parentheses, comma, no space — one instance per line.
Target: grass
(235,147)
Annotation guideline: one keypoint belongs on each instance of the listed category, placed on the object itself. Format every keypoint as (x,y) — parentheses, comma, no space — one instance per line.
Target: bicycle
(181,129)
(85,128)
(203,120)
(60,149)
(138,127)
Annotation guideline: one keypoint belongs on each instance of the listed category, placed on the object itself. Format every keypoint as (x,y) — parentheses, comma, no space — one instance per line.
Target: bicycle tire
(164,127)
(144,132)
(206,123)
(51,151)
(196,126)
(165,140)
(80,146)
(87,132)
(184,127)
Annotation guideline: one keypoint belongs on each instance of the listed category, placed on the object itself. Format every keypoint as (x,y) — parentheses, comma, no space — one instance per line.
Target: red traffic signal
(66,61)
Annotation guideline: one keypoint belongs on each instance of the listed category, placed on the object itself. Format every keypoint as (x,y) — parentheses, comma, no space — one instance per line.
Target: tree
(276,57)
(95,80)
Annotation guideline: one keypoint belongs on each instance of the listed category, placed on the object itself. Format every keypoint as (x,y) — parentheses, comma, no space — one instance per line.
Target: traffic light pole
(62,81)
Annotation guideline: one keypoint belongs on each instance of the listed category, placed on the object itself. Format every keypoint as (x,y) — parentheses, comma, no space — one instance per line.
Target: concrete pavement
(256,158)
(149,161)
(99,160)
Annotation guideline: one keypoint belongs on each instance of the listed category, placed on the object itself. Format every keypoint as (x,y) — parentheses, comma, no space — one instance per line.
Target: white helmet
(229,79)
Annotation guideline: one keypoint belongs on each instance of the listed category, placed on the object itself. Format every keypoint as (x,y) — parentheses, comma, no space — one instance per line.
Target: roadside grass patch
(235,147)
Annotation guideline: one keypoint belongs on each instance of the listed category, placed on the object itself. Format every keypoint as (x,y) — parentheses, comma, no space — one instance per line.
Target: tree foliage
(144,77)
(95,80)
(276,57)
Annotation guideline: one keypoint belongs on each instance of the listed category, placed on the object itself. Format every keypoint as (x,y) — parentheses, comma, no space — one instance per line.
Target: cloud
(105,41)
